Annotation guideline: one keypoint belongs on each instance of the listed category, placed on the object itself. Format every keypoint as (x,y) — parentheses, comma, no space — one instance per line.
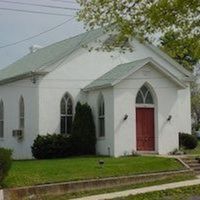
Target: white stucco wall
(10,94)
(169,100)
(70,76)
(105,145)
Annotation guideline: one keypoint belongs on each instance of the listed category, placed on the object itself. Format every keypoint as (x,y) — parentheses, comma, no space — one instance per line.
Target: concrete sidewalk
(141,190)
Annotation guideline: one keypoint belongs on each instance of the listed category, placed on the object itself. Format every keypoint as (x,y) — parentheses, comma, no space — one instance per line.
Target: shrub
(83,131)
(187,141)
(51,146)
(5,162)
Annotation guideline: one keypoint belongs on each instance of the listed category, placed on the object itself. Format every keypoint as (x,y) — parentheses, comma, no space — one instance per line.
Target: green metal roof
(116,74)
(34,62)
(122,71)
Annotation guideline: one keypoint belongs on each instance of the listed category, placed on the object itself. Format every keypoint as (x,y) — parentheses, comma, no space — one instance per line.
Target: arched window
(144,96)
(1,119)
(66,114)
(21,113)
(101,116)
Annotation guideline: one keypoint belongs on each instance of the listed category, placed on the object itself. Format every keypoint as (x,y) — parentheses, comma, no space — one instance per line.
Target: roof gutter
(87,89)
(22,76)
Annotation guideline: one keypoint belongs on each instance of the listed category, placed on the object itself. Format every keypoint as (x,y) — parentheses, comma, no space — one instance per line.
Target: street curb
(143,190)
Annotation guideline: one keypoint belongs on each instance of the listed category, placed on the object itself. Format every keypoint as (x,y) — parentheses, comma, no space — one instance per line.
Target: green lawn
(35,172)
(194,151)
(186,193)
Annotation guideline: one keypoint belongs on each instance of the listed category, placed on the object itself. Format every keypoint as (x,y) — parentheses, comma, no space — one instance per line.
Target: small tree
(83,131)
(176,22)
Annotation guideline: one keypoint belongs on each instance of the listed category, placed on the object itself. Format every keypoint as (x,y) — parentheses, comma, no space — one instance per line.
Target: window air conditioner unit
(18,133)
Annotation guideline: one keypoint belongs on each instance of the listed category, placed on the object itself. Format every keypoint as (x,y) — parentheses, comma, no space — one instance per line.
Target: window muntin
(69,107)
(139,98)
(21,113)
(1,119)
(144,96)
(101,116)
(63,106)
(66,114)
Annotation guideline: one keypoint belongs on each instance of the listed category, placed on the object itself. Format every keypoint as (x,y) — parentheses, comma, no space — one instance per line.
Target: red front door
(145,129)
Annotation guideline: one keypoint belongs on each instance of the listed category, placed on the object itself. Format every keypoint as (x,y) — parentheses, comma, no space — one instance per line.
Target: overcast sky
(18,25)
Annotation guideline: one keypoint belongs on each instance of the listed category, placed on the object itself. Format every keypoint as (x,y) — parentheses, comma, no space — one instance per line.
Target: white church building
(140,99)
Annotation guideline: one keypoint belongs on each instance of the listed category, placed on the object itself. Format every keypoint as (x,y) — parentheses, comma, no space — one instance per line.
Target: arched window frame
(145,96)
(101,115)
(1,119)
(66,114)
(21,113)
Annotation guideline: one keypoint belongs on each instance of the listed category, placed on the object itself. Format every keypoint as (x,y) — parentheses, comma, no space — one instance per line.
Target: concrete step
(194,164)
(196,168)
(188,158)
(189,161)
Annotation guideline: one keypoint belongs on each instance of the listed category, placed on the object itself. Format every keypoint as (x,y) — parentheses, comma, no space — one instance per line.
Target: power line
(34,12)
(34,36)
(40,5)
(68,54)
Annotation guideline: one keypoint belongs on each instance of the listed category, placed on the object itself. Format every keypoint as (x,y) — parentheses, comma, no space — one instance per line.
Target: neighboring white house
(140,100)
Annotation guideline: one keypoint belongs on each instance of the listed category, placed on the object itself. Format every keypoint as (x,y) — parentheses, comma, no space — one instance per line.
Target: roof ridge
(109,80)
(121,71)
(169,59)
(143,59)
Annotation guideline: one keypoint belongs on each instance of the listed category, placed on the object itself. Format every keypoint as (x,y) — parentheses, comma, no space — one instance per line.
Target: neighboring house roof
(35,63)
(122,71)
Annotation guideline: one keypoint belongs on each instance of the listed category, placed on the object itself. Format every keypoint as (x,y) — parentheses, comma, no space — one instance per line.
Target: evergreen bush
(187,141)
(83,131)
(52,146)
